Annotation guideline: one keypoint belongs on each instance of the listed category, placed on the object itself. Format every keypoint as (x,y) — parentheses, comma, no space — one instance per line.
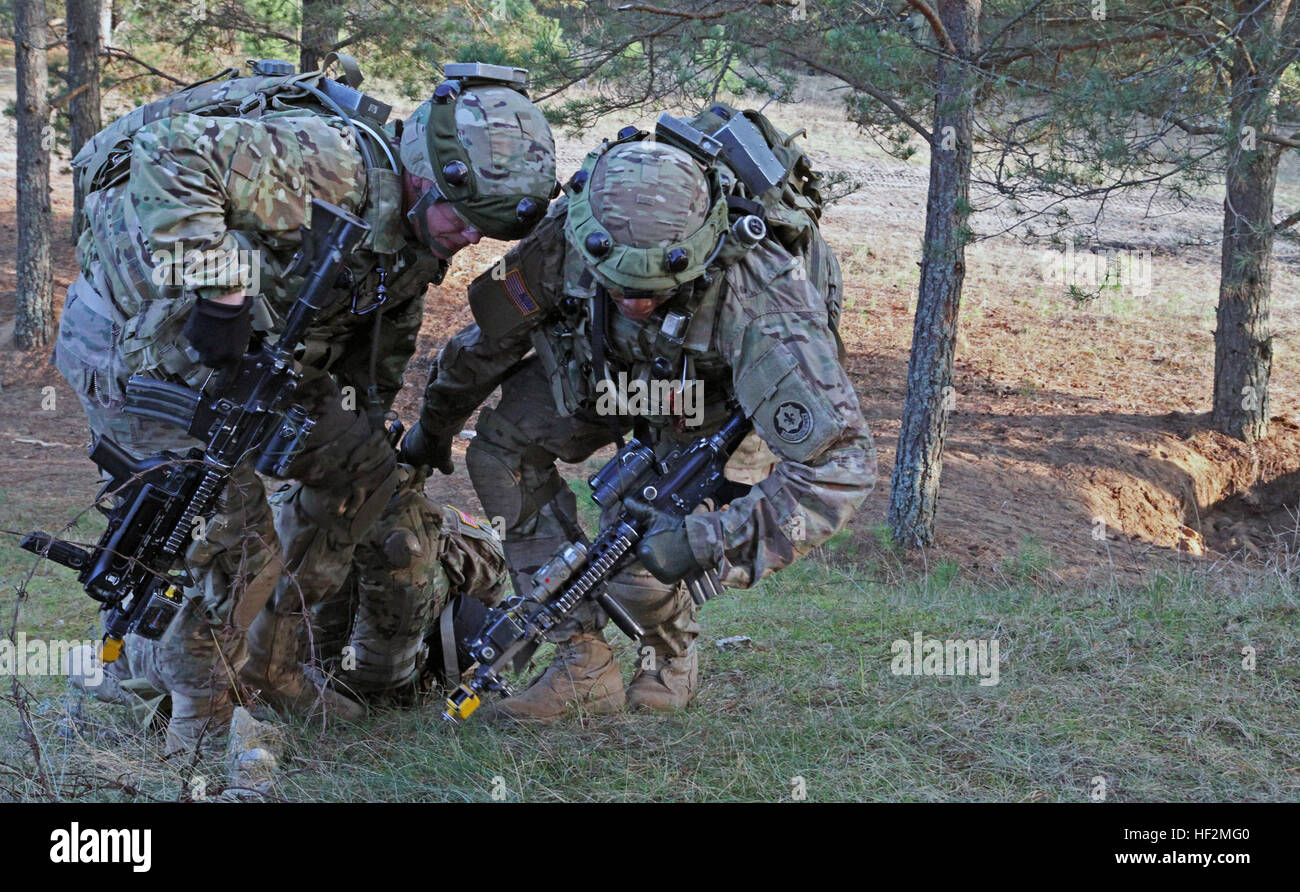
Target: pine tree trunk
(34,324)
(83,71)
(1243,349)
(914,490)
(319,33)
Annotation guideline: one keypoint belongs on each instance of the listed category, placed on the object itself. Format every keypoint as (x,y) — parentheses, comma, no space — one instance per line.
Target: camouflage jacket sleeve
(788,379)
(509,301)
(396,347)
(195,179)
(472,557)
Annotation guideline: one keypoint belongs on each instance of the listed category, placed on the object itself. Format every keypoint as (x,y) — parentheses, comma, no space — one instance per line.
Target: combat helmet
(645,216)
(488,149)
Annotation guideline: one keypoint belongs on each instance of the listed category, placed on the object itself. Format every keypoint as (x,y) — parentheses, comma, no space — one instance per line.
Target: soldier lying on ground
(420,580)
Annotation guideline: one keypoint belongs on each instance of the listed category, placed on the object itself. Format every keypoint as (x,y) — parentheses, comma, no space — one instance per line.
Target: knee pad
(352,507)
(635,588)
(665,611)
(514,478)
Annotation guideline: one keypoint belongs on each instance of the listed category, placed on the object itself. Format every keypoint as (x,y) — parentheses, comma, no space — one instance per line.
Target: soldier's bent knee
(496,478)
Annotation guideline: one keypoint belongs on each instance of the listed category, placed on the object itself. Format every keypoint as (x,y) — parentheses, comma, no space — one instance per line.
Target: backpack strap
(352,75)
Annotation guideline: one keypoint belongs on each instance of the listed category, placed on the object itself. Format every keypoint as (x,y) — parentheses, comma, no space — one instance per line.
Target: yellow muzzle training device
(461,704)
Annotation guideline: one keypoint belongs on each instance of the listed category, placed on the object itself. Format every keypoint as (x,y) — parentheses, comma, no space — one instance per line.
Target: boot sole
(645,706)
(607,705)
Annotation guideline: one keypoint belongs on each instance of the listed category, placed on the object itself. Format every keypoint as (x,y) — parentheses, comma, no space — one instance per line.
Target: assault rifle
(676,484)
(160,500)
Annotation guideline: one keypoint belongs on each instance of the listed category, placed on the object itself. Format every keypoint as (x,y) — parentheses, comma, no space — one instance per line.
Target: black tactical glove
(220,332)
(424,451)
(665,550)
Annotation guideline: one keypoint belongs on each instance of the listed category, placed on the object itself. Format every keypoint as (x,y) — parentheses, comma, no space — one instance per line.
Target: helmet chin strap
(418,219)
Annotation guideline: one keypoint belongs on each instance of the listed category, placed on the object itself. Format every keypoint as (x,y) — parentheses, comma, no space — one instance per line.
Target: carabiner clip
(381,295)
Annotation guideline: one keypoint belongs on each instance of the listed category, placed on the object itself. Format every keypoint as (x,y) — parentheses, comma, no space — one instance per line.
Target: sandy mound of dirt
(1087,497)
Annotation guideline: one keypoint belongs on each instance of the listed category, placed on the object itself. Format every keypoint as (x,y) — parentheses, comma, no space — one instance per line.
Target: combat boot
(273,668)
(582,677)
(203,720)
(667,673)
(669,686)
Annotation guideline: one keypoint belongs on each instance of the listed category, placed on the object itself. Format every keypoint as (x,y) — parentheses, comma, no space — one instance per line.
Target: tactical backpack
(105,159)
(776,179)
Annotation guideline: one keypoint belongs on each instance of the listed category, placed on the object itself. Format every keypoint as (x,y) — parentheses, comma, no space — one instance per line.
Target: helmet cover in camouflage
(489,150)
(645,217)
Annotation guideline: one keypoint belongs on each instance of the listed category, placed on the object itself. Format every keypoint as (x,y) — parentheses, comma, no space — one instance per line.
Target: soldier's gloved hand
(220,332)
(422,450)
(665,550)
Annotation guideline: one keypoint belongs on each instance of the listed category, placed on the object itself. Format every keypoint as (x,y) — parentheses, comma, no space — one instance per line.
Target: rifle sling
(447,631)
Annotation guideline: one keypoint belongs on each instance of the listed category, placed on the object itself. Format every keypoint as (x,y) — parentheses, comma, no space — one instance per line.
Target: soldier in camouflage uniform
(644,231)
(225,193)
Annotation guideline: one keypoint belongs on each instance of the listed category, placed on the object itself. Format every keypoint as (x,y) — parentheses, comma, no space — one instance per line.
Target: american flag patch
(518,291)
(466,519)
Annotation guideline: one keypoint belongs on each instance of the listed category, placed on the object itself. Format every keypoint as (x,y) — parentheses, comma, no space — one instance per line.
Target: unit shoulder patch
(792,421)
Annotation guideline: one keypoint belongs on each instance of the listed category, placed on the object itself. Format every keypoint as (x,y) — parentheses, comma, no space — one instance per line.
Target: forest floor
(1123,552)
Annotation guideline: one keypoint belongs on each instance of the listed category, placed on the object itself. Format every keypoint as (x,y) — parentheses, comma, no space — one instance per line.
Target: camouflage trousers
(511,461)
(246,555)
(387,628)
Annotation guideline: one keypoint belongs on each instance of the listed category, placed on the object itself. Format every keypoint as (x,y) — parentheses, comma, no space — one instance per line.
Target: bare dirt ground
(1078,431)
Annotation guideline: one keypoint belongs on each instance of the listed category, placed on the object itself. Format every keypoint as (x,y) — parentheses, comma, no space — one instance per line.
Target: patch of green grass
(1143,685)
(1029,563)
(883,533)
(943,574)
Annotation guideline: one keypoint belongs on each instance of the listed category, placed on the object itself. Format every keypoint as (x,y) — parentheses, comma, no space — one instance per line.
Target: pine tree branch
(988,47)
(862,86)
(936,24)
(1277,139)
(114,52)
(1015,53)
(1288,222)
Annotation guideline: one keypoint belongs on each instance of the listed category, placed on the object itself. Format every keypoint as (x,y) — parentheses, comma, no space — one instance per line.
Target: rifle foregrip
(626,624)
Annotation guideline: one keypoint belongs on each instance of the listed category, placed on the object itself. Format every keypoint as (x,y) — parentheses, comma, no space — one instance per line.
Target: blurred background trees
(1038,104)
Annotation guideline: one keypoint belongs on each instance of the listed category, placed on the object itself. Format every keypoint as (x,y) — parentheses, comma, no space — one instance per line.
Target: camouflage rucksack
(273,86)
(783,182)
